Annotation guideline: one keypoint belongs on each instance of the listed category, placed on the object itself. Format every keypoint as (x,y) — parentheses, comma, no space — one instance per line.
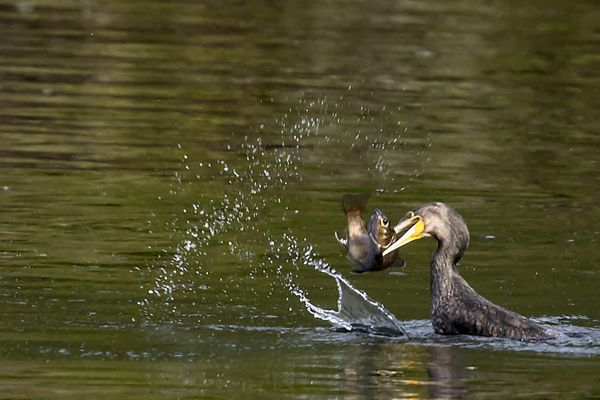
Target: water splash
(376,138)
(356,311)
(225,225)
(231,220)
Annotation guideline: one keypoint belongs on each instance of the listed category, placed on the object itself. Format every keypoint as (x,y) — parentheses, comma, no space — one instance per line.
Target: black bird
(456,308)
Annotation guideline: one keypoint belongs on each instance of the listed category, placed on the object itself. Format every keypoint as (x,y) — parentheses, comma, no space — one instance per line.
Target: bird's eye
(385,221)
(410,215)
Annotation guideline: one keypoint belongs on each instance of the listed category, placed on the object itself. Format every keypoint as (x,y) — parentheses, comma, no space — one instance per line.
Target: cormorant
(456,308)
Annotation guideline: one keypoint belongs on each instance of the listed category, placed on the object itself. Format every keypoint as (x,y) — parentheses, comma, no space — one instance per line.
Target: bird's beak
(417,226)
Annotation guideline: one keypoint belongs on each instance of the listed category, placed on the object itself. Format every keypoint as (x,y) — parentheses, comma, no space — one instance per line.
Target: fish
(365,244)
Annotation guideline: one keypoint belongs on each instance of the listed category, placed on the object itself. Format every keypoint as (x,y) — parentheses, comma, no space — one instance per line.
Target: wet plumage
(456,307)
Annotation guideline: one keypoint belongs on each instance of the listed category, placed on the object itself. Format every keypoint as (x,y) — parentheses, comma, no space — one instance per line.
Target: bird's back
(464,311)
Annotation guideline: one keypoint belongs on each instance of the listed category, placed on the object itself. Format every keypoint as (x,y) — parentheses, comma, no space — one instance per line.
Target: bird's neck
(442,270)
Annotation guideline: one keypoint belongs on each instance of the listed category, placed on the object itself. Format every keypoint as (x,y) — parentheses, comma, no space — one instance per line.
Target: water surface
(171,175)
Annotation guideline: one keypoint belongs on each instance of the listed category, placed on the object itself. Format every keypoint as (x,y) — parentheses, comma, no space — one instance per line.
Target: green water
(169,171)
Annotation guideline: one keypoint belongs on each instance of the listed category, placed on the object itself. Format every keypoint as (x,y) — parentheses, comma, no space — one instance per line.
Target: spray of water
(233,216)
(356,311)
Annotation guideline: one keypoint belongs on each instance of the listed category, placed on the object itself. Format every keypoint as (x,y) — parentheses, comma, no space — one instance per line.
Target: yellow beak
(417,226)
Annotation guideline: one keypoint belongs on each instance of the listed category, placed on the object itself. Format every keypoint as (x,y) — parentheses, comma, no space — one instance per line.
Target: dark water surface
(171,175)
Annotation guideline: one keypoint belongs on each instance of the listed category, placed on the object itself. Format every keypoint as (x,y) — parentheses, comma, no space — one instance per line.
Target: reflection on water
(170,178)
(447,379)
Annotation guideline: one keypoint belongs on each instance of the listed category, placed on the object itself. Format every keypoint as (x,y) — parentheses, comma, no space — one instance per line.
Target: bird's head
(436,220)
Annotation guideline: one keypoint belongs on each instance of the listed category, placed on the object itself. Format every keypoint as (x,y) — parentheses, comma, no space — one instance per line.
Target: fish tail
(354,202)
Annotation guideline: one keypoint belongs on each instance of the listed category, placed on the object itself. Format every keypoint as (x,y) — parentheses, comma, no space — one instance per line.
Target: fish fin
(342,241)
(354,202)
